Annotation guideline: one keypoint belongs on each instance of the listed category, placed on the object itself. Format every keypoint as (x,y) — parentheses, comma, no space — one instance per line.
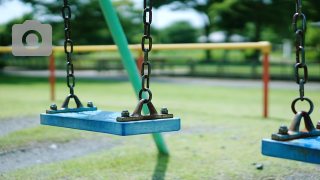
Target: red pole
(139,62)
(266,78)
(52,77)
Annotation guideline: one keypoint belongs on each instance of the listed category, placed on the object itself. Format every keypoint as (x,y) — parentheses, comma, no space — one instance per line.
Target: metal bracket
(137,116)
(64,108)
(293,132)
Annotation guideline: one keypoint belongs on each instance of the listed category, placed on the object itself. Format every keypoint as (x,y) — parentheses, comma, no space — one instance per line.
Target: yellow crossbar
(264,46)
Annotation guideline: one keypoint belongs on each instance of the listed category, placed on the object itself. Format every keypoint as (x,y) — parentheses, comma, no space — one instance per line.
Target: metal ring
(301,89)
(67,24)
(145,15)
(297,39)
(304,98)
(147,29)
(149,68)
(298,6)
(73,80)
(145,4)
(144,40)
(64,13)
(71,91)
(303,55)
(65,46)
(149,92)
(70,67)
(69,57)
(144,77)
(67,33)
(145,57)
(305,72)
(296,16)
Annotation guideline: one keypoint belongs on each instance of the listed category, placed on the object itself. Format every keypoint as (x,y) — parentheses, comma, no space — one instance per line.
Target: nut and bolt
(318,125)
(125,113)
(283,129)
(164,110)
(89,104)
(53,106)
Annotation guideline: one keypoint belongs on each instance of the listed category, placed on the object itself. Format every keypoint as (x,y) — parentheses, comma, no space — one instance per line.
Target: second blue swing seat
(305,150)
(294,144)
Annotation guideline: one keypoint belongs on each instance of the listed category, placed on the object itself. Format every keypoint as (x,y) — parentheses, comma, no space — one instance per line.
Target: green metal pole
(127,59)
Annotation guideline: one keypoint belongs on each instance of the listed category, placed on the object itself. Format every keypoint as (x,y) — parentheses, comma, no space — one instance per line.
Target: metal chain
(300,53)
(66,15)
(147,12)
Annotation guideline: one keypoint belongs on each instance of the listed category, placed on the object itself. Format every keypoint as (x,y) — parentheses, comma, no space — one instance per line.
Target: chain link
(147,12)
(66,15)
(300,53)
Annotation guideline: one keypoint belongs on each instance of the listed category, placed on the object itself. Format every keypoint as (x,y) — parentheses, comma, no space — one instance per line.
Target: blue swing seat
(305,150)
(105,122)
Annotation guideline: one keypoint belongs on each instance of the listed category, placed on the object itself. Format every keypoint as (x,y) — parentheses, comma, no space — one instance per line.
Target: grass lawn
(221,133)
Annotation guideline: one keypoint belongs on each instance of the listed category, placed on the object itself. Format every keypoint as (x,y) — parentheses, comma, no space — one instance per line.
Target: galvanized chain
(147,12)
(300,54)
(66,15)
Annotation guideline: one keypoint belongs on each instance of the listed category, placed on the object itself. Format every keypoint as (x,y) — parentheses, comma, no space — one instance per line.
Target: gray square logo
(31,39)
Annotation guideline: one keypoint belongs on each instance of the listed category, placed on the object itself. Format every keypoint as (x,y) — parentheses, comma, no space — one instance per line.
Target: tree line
(257,20)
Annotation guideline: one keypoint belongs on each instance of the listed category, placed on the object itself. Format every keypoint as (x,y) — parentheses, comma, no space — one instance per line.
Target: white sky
(162,17)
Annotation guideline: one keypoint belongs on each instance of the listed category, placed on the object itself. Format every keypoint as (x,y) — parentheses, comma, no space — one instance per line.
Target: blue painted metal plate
(305,150)
(105,122)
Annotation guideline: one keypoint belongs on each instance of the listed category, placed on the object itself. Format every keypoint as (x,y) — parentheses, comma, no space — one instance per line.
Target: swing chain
(66,15)
(299,6)
(300,52)
(147,27)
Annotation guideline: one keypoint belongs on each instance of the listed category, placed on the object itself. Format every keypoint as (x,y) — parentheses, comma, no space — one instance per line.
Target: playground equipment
(91,119)
(263,46)
(303,145)
(136,115)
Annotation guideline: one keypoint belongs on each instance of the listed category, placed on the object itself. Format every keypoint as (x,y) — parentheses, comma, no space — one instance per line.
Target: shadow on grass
(161,167)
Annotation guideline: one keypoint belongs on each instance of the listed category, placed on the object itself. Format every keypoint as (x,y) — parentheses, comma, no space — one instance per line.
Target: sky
(162,17)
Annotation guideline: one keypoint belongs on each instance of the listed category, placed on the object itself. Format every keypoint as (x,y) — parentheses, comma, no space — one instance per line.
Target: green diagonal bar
(127,59)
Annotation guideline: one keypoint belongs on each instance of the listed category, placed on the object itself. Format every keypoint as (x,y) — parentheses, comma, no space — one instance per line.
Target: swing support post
(128,60)
(266,79)
(52,78)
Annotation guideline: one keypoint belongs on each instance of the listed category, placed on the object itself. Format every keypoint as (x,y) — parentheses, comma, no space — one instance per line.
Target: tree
(178,32)
(202,6)
(88,25)
(6,29)
(251,17)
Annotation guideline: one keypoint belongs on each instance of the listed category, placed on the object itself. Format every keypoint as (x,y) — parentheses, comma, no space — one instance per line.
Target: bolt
(283,130)
(89,104)
(318,125)
(53,106)
(164,110)
(125,113)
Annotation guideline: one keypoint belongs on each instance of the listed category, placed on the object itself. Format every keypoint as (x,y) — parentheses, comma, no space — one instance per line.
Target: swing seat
(295,144)
(105,122)
(305,150)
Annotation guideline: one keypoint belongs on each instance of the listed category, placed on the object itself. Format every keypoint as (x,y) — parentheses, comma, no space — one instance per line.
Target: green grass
(30,96)
(220,138)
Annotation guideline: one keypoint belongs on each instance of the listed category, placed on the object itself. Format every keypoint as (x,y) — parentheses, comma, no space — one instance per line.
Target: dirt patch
(48,153)
(43,153)
(17,123)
